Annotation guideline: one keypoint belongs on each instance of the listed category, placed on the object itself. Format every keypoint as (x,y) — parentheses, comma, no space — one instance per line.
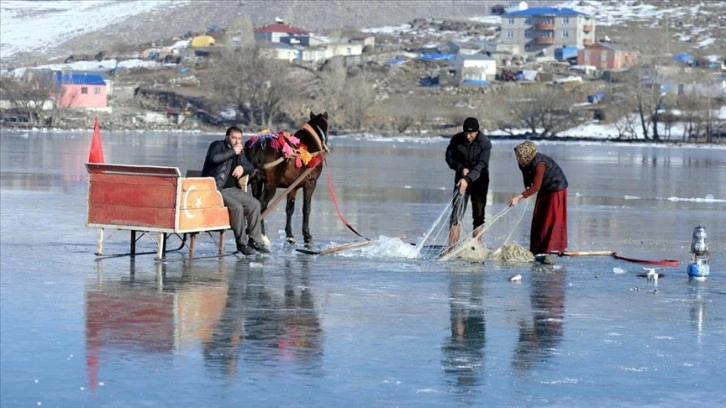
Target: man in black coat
(226,162)
(468,155)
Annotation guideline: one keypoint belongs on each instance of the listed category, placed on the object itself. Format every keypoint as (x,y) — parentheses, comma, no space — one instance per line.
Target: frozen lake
(369,326)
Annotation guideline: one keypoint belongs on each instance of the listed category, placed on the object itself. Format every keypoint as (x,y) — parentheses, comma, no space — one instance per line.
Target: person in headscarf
(468,155)
(544,177)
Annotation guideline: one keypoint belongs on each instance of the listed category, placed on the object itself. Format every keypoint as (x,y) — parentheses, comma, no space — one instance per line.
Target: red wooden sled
(145,199)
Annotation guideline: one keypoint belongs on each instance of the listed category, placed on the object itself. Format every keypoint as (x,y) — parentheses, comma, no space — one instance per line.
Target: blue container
(698,270)
(565,53)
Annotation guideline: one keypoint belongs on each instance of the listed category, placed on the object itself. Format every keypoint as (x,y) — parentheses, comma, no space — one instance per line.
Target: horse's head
(319,122)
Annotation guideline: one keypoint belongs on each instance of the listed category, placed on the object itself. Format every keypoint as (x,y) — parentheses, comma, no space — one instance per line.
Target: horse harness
(323,148)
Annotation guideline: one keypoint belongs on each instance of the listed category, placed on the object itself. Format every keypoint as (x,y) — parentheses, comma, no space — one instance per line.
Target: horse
(280,163)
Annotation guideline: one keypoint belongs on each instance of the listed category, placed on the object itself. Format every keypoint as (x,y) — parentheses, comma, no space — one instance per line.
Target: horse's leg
(268,192)
(256,187)
(289,210)
(308,190)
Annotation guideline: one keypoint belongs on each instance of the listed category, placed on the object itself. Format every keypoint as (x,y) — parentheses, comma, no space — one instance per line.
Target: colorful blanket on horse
(287,145)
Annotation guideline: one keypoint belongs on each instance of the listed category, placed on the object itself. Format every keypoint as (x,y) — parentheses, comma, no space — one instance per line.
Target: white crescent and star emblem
(197,202)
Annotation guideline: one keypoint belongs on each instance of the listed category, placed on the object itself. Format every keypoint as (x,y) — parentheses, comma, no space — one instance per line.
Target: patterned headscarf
(525,152)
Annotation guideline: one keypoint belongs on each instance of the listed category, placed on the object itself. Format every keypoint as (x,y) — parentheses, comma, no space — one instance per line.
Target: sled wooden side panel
(151,198)
(201,207)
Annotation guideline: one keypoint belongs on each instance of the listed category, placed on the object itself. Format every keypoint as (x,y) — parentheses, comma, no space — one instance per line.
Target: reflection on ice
(356,327)
(236,319)
(540,337)
(463,349)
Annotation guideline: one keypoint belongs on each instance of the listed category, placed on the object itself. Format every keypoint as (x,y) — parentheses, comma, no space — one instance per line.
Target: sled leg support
(187,240)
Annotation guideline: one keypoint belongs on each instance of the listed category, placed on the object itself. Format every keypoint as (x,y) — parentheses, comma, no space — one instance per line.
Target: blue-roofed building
(541,30)
(82,90)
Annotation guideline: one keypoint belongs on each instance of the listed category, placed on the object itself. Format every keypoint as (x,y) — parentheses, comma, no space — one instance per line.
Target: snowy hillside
(38,25)
(60,28)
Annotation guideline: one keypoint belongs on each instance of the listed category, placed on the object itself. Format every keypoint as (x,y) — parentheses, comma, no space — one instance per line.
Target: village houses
(284,41)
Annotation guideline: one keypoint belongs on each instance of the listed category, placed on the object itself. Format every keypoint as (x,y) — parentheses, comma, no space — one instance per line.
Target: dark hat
(471,125)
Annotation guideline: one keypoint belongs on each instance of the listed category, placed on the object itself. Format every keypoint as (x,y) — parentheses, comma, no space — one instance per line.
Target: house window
(604,57)
(84,90)
(96,90)
(527,20)
(566,20)
(565,34)
(511,20)
(587,57)
(510,34)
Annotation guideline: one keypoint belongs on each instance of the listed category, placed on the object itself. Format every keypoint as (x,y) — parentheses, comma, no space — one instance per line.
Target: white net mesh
(492,242)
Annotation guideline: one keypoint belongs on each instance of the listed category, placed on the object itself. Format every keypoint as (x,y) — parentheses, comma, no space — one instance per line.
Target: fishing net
(492,241)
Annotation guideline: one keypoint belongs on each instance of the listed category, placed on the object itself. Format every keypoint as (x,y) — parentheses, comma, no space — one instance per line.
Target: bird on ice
(651,275)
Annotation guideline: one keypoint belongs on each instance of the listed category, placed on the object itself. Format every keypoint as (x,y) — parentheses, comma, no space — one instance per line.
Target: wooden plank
(208,182)
(582,253)
(140,195)
(132,169)
(103,178)
(131,216)
(204,219)
(334,249)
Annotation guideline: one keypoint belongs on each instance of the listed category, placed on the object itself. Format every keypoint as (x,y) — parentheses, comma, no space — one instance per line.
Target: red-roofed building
(280,32)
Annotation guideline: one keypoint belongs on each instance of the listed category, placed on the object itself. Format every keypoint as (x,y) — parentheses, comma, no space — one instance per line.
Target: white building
(326,51)
(473,69)
(541,30)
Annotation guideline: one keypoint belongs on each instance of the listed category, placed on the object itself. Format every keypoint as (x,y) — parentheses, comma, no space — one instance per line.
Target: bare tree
(621,108)
(332,87)
(544,111)
(626,127)
(258,87)
(699,118)
(243,30)
(648,87)
(347,97)
(359,98)
(32,94)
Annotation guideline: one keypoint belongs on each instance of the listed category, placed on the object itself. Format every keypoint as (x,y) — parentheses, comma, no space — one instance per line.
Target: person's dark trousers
(478,193)
(244,214)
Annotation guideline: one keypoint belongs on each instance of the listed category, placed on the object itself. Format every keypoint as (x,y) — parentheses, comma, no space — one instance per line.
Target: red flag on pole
(96,154)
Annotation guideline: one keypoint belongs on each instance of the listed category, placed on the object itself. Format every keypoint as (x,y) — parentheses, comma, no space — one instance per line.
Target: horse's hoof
(291,240)
(266,240)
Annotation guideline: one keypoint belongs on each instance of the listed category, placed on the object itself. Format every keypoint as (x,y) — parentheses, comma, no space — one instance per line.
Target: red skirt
(549,223)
